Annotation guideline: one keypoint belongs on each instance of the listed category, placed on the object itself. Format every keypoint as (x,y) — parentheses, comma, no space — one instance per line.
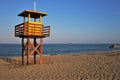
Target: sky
(71,21)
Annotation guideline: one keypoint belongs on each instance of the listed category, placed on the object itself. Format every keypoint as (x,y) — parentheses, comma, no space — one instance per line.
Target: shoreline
(18,58)
(68,53)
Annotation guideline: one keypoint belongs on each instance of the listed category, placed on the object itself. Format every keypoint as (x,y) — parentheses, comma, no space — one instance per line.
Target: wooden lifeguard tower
(31,31)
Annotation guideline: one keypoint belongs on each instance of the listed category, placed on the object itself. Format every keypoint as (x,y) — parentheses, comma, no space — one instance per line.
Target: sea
(55,49)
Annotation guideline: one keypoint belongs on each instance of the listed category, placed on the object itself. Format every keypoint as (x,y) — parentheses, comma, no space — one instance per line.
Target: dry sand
(100,66)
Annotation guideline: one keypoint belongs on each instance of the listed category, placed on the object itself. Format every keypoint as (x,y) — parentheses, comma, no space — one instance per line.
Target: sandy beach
(93,66)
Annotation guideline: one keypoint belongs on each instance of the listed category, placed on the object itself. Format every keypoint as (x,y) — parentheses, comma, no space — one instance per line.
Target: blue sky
(71,21)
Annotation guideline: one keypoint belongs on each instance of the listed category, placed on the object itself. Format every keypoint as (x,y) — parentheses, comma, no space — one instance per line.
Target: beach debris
(114,46)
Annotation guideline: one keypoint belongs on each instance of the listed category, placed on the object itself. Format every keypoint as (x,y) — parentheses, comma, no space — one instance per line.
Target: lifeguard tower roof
(33,14)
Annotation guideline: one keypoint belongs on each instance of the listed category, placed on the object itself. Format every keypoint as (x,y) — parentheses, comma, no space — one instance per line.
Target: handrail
(19,24)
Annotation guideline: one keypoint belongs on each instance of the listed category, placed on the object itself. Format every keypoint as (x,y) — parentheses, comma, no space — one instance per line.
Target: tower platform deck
(33,30)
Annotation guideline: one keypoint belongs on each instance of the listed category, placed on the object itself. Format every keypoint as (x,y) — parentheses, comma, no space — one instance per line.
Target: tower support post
(41,40)
(23,48)
(35,44)
(28,50)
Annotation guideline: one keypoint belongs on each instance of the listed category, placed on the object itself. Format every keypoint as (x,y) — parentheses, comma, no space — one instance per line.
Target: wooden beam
(25,47)
(35,44)
(40,19)
(23,51)
(28,50)
(35,49)
(41,50)
(29,17)
(24,28)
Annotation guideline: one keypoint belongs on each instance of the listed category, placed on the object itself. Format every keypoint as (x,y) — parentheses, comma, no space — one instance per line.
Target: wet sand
(94,66)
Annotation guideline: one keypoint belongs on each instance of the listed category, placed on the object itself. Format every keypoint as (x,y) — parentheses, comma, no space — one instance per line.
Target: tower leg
(34,58)
(23,51)
(41,50)
(35,44)
(28,50)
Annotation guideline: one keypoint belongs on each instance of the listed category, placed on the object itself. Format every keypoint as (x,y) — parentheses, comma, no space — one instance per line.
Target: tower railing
(32,29)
